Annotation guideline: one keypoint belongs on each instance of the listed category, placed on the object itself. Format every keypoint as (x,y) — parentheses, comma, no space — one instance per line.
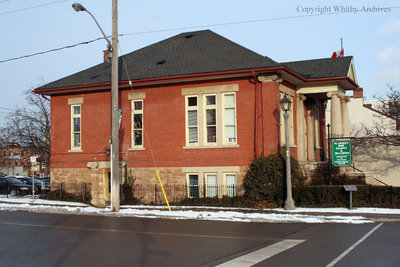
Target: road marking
(138,232)
(341,256)
(262,254)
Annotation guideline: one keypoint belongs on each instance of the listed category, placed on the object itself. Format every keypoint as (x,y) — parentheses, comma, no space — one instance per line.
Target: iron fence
(176,192)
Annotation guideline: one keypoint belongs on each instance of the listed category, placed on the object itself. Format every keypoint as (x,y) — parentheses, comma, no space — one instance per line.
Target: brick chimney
(358,93)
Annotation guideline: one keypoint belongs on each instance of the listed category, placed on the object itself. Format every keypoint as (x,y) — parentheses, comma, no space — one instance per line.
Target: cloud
(391,74)
(388,55)
(391,27)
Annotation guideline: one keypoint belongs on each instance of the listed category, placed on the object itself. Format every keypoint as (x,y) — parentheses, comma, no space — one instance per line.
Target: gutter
(256,82)
(193,77)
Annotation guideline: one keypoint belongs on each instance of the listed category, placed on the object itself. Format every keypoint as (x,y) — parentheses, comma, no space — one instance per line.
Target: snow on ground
(299,215)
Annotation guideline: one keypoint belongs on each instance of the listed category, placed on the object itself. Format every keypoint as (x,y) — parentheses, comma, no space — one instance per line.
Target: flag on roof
(339,53)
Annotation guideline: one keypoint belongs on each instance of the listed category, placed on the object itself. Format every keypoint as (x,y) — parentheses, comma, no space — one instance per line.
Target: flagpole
(341,43)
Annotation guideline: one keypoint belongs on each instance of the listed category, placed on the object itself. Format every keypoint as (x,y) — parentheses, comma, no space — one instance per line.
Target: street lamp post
(112,47)
(285,106)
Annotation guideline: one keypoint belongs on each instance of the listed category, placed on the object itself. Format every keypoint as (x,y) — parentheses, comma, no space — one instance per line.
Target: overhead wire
(173,29)
(31,7)
(52,50)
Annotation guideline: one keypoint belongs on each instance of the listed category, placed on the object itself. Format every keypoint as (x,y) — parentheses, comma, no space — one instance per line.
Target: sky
(282,30)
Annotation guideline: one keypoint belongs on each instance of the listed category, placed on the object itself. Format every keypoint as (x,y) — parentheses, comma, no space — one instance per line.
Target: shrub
(265,179)
(85,197)
(128,190)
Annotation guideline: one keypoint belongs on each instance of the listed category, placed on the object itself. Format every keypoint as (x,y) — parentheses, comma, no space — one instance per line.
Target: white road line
(341,256)
(262,254)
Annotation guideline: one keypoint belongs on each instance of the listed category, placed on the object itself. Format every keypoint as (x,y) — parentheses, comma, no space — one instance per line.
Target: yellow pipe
(162,187)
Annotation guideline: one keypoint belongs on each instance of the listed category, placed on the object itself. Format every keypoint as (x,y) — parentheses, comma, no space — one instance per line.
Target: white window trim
(201,92)
(133,112)
(72,133)
(229,106)
(206,183)
(217,120)
(202,173)
(226,184)
(137,96)
(199,181)
(187,109)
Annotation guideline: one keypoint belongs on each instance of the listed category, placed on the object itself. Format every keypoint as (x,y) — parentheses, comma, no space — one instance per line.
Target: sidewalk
(299,215)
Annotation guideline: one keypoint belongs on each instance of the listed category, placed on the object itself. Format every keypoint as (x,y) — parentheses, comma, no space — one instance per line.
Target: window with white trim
(210,115)
(211,181)
(193,185)
(137,123)
(230,184)
(211,119)
(229,118)
(76,134)
(212,184)
(192,120)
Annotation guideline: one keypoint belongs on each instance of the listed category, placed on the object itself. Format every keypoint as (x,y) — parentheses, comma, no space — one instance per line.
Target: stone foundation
(146,184)
(73,181)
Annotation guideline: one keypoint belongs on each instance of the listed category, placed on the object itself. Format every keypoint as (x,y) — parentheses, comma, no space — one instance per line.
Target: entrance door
(107,184)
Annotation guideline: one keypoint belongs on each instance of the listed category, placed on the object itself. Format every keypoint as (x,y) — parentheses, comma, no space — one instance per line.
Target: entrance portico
(311,121)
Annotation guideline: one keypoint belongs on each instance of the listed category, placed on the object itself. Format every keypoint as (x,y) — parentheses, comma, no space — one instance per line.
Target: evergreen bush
(265,180)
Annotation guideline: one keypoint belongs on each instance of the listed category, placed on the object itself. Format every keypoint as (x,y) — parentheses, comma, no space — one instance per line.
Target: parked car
(14,187)
(40,185)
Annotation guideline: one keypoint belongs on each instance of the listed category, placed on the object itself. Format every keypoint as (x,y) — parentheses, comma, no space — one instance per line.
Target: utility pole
(113,48)
(115,172)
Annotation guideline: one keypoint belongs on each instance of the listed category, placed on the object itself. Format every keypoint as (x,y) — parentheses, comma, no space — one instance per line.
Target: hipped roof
(199,52)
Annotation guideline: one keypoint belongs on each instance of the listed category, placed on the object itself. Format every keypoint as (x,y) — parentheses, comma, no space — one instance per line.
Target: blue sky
(282,30)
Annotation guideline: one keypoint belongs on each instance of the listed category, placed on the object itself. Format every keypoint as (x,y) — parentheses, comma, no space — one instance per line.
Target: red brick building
(15,160)
(196,106)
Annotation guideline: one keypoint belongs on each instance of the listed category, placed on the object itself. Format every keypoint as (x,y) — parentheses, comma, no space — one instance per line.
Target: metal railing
(176,192)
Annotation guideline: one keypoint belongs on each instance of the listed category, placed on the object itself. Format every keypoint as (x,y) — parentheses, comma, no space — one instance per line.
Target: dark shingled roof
(321,68)
(197,52)
(184,54)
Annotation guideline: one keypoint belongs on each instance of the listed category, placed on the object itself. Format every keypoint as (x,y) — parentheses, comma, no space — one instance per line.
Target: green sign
(341,153)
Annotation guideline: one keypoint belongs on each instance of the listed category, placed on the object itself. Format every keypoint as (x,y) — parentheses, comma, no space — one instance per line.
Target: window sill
(136,149)
(75,150)
(211,146)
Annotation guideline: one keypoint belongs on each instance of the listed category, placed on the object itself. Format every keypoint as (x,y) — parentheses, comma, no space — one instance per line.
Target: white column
(301,129)
(336,114)
(310,134)
(345,116)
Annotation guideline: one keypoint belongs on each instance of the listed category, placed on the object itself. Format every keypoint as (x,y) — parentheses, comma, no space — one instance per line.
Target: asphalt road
(32,239)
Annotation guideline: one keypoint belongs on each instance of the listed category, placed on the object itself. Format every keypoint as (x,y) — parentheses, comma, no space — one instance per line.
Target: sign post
(350,189)
(341,153)
(33,160)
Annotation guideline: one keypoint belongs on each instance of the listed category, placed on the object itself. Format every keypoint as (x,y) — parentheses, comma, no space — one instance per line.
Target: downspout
(255,115)
(46,98)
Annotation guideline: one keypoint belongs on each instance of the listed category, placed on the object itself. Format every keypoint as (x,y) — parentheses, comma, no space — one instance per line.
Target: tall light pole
(112,47)
(285,106)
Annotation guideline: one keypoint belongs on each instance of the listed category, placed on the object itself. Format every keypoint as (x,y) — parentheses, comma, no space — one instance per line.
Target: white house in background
(364,113)
(378,162)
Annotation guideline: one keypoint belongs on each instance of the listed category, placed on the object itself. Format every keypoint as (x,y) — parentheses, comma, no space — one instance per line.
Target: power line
(241,22)
(52,50)
(27,8)
(171,29)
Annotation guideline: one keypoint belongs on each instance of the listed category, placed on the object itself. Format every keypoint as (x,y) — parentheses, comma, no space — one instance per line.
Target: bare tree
(29,126)
(386,127)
